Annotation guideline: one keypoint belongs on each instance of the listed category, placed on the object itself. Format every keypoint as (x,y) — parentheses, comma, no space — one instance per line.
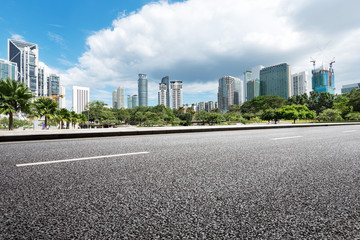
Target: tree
(354,99)
(353,116)
(74,118)
(271,114)
(295,112)
(318,102)
(45,107)
(329,115)
(202,116)
(14,97)
(62,115)
(262,103)
(341,103)
(214,118)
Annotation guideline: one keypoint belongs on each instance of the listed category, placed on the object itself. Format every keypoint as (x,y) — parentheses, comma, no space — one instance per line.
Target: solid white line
(349,131)
(286,137)
(79,159)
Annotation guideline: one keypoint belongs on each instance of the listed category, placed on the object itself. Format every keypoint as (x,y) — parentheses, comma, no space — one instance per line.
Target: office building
(118,98)
(53,84)
(229,92)
(166,81)
(129,101)
(247,77)
(135,101)
(163,95)
(253,89)
(299,83)
(323,80)
(255,72)
(349,87)
(210,105)
(26,56)
(176,94)
(61,100)
(80,98)
(42,82)
(143,90)
(8,70)
(276,80)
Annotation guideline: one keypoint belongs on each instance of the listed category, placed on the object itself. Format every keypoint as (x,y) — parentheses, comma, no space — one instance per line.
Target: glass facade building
(166,81)
(134,99)
(8,70)
(143,90)
(118,98)
(323,80)
(26,56)
(349,87)
(253,89)
(53,84)
(276,80)
(229,92)
(299,83)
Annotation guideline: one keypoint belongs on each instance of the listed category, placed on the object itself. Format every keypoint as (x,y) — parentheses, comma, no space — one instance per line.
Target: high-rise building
(210,105)
(26,56)
(276,80)
(166,81)
(80,98)
(129,101)
(53,84)
(118,98)
(176,94)
(8,70)
(299,83)
(42,82)
(201,106)
(61,101)
(143,90)
(255,72)
(247,77)
(253,89)
(163,95)
(229,92)
(349,87)
(323,80)
(134,101)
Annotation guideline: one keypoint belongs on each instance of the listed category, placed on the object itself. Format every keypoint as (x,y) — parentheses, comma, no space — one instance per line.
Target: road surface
(299,183)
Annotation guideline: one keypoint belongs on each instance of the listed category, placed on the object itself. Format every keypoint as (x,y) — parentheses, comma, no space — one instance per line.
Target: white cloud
(198,41)
(17,37)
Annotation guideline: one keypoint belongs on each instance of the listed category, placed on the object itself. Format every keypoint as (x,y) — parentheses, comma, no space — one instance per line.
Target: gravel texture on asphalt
(218,185)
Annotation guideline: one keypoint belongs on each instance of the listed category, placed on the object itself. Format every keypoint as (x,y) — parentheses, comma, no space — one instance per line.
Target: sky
(106,44)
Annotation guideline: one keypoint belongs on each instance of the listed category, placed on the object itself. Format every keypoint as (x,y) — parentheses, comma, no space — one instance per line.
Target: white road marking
(349,131)
(79,159)
(286,137)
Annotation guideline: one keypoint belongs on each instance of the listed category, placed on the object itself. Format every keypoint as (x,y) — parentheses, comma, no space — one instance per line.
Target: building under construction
(323,79)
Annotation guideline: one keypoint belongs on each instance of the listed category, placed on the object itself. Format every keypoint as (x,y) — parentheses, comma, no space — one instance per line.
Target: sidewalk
(29,134)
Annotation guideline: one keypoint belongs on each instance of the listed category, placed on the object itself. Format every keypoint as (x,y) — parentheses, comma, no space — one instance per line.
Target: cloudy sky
(105,44)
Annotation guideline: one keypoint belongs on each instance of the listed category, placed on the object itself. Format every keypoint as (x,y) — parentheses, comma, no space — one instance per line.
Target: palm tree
(14,97)
(45,107)
(62,115)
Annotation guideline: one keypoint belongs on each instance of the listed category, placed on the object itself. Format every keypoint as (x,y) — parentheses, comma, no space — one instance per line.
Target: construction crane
(54,97)
(331,71)
(313,62)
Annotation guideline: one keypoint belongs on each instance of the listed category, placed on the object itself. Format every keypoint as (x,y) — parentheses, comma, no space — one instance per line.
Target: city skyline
(285,32)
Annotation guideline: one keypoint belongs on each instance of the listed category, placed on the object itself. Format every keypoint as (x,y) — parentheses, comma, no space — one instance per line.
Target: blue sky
(105,44)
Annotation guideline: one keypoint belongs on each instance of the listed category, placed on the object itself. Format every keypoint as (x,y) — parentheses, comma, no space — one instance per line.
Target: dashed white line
(79,159)
(349,131)
(281,138)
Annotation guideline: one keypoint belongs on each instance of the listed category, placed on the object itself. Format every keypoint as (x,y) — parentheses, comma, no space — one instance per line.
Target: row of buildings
(169,95)
(23,65)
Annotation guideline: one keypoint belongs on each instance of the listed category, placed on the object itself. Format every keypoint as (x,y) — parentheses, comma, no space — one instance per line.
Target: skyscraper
(62,102)
(8,70)
(143,90)
(134,101)
(247,77)
(176,94)
(42,82)
(163,95)
(80,98)
(276,80)
(166,81)
(229,92)
(323,80)
(53,84)
(299,83)
(118,98)
(26,56)
(253,89)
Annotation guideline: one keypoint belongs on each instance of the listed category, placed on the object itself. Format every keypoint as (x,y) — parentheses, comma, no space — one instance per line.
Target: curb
(32,137)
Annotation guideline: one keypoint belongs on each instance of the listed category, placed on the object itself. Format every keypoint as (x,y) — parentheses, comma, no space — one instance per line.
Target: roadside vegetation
(316,107)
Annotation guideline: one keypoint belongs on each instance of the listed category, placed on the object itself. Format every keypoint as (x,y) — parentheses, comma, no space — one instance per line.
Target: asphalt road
(301,183)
